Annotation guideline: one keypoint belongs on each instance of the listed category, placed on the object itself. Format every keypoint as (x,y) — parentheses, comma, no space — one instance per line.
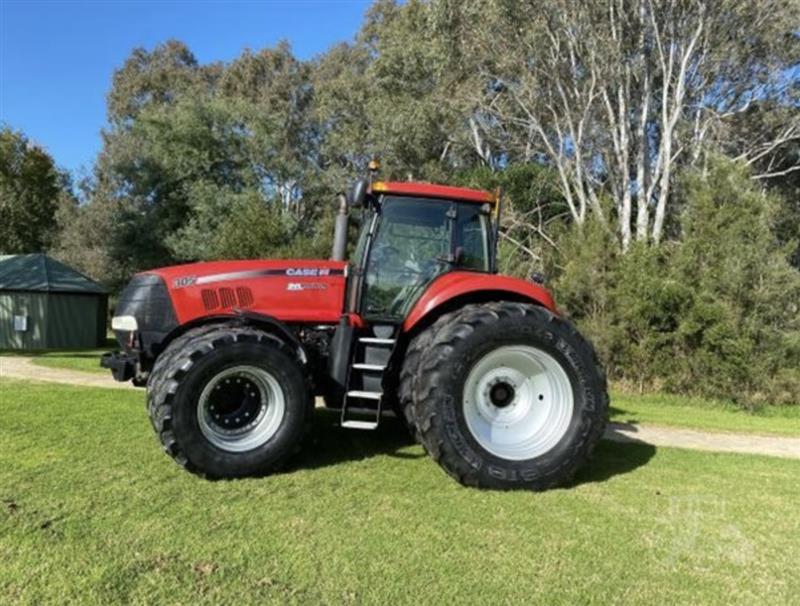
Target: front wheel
(509,395)
(230,402)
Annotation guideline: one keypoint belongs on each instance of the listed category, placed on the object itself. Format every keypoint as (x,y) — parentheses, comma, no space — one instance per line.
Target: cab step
(368,362)
(370,367)
(366,395)
(377,341)
(358,424)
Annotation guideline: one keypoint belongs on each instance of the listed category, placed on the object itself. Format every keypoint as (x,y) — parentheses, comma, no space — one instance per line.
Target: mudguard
(481,286)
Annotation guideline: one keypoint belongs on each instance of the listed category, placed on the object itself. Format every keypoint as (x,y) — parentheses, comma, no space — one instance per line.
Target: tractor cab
(411,234)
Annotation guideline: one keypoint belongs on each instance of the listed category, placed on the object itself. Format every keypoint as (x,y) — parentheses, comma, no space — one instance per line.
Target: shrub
(714,313)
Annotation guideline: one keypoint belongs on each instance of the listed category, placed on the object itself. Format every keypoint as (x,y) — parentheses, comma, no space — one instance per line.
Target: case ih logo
(306,286)
(308,271)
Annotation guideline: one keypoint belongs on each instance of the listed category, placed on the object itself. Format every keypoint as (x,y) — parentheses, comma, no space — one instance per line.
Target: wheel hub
(241,408)
(235,403)
(517,402)
(502,393)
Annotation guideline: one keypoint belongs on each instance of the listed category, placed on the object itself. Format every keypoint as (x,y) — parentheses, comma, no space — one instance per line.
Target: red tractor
(499,388)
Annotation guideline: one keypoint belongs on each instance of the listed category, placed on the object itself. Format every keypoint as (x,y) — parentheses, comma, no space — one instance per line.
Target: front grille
(146,299)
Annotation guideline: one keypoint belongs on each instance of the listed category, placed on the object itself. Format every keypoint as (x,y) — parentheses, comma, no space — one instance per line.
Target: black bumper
(121,364)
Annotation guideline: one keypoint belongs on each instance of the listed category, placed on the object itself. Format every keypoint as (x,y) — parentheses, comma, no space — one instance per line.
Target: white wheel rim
(536,409)
(241,408)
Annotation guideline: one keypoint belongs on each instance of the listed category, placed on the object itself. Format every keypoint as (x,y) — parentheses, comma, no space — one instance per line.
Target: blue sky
(57,57)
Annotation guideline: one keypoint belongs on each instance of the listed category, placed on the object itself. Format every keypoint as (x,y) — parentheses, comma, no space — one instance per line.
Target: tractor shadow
(611,459)
(328,444)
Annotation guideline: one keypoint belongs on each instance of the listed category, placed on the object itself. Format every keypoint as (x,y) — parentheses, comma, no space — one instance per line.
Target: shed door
(21,326)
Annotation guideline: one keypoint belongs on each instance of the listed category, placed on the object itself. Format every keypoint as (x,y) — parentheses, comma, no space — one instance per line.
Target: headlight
(126,323)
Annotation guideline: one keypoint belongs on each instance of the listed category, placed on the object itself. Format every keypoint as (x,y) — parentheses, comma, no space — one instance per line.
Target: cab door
(411,246)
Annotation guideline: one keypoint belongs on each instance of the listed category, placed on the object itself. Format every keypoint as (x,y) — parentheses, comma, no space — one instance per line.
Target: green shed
(46,305)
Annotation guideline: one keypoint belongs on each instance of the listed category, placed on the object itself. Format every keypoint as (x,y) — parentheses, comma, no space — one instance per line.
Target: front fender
(476,286)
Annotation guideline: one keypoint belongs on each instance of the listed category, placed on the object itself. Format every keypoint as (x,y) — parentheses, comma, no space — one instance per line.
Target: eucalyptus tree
(618,95)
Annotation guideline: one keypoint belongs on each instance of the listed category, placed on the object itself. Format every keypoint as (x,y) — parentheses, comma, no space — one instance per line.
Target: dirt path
(658,435)
(24,368)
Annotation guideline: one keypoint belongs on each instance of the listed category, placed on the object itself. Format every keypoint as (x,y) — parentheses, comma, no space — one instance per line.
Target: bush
(712,314)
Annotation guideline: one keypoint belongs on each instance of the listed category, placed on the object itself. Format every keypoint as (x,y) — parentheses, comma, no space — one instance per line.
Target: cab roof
(429,190)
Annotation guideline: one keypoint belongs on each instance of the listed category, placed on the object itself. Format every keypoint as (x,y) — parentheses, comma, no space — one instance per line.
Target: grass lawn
(696,413)
(93,512)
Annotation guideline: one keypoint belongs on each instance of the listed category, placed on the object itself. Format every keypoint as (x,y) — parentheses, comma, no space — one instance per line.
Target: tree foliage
(649,154)
(30,189)
(619,96)
(716,313)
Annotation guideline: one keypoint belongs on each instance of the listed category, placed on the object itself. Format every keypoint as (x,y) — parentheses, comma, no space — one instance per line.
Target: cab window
(417,240)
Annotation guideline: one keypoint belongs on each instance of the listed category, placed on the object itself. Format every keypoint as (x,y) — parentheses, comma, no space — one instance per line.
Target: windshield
(417,240)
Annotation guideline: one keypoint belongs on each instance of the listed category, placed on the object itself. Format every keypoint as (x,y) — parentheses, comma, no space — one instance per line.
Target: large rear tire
(229,401)
(509,395)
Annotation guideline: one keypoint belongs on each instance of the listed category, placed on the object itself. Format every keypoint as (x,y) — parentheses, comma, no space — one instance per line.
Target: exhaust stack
(340,230)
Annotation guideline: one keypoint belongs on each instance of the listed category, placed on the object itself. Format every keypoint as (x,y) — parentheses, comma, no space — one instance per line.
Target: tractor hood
(158,301)
(217,272)
(306,290)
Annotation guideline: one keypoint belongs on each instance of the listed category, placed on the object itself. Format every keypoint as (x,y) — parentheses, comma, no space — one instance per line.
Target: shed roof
(38,272)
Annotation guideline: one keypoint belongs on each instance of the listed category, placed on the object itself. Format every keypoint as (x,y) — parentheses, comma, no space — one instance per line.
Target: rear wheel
(509,395)
(229,402)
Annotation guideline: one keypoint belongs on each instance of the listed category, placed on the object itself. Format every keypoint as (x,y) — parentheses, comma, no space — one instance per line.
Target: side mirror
(358,195)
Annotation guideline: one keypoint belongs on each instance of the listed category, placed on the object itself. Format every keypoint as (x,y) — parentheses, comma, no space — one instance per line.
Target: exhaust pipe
(340,230)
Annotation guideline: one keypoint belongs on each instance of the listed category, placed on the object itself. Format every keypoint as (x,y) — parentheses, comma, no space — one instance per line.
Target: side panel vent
(245,296)
(210,299)
(226,297)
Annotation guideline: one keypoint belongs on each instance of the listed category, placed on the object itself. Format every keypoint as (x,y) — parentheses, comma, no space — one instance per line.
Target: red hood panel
(299,290)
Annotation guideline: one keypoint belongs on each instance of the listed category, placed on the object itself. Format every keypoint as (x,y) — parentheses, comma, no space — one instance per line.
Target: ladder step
(366,395)
(377,341)
(350,424)
(375,367)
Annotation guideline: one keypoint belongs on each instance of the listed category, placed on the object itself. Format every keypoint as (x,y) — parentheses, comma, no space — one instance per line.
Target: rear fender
(461,287)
